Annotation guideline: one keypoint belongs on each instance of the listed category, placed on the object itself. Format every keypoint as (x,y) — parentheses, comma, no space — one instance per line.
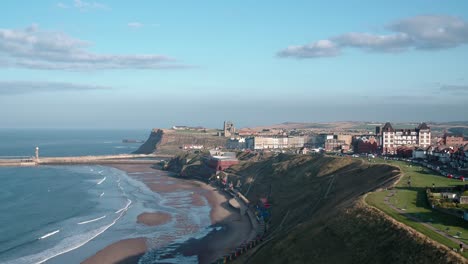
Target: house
(448,195)
(192,147)
(220,161)
(464,200)
(453,140)
(439,153)
(365,144)
(304,151)
(419,153)
(236,143)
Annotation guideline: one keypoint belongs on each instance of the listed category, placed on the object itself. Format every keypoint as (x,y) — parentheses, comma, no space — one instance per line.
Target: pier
(19,161)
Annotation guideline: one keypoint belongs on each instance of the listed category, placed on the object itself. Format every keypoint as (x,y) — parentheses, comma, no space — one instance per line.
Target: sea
(65,214)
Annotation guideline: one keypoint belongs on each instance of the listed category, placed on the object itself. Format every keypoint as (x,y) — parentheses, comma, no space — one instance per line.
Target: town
(440,150)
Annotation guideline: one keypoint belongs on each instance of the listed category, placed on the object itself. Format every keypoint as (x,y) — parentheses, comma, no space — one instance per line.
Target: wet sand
(153,219)
(122,252)
(232,228)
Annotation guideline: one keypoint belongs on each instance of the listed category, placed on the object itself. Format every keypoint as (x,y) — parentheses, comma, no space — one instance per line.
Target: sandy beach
(232,228)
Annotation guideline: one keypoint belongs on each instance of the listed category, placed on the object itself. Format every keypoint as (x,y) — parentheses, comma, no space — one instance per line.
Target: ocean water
(64,214)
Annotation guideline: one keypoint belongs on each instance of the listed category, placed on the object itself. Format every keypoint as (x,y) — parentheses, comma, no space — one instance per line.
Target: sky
(127,64)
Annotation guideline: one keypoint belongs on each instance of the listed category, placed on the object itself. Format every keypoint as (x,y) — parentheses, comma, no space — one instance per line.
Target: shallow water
(64,214)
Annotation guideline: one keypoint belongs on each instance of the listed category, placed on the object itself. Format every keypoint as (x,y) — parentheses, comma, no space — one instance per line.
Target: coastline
(229,230)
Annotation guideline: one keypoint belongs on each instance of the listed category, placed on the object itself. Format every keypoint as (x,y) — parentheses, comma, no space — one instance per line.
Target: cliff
(318,214)
(170,141)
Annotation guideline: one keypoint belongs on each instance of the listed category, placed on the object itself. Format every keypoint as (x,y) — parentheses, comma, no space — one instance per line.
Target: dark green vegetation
(319,216)
(414,201)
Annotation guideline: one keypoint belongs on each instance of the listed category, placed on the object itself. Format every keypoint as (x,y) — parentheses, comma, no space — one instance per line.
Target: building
(366,144)
(440,153)
(419,153)
(453,140)
(392,139)
(334,144)
(459,158)
(424,135)
(229,129)
(192,147)
(258,143)
(337,142)
(236,143)
(220,161)
(346,138)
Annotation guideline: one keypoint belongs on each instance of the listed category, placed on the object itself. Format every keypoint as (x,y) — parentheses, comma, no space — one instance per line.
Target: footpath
(238,201)
(414,218)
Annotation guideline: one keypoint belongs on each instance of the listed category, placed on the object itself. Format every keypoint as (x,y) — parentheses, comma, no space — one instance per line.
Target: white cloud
(321,48)
(419,32)
(371,42)
(135,25)
(21,87)
(62,5)
(38,49)
(433,32)
(83,5)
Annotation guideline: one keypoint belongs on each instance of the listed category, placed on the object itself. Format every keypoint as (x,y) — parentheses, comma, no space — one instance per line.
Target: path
(415,219)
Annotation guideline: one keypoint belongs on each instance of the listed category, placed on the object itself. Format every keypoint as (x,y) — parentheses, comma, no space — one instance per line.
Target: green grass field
(413,201)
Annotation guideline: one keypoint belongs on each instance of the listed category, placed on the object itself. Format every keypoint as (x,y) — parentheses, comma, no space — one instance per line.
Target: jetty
(15,161)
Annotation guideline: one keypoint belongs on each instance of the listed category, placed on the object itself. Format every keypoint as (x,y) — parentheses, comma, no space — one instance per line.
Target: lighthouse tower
(37,154)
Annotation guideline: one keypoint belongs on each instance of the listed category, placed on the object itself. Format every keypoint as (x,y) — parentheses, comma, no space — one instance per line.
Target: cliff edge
(169,141)
(150,145)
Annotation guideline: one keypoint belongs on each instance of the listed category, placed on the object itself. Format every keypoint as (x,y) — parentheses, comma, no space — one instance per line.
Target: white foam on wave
(64,246)
(102,194)
(129,202)
(101,181)
(49,234)
(92,220)
(75,241)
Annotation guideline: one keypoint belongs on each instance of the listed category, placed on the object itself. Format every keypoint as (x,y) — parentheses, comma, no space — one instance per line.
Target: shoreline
(229,228)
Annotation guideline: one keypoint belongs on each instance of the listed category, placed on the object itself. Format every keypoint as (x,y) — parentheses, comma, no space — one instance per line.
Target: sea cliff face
(150,145)
(171,141)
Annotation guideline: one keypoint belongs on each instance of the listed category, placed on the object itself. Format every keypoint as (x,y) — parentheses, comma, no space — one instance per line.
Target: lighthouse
(37,154)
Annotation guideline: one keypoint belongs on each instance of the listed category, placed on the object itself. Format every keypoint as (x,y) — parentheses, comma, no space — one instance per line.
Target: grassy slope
(333,228)
(414,201)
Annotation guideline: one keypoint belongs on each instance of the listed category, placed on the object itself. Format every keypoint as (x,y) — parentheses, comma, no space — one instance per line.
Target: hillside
(318,215)
(168,141)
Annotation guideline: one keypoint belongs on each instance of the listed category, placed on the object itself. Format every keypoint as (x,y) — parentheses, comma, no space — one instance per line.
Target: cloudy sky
(117,64)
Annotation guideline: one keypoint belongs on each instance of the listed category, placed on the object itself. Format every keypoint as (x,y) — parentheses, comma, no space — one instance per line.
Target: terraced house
(392,139)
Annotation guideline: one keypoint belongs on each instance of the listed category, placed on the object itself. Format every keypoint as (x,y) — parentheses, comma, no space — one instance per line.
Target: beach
(230,229)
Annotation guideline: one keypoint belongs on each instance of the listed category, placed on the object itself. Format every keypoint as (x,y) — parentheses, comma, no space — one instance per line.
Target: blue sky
(159,63)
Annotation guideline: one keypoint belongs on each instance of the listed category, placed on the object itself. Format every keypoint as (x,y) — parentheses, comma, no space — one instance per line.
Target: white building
(257,143)
(393,138)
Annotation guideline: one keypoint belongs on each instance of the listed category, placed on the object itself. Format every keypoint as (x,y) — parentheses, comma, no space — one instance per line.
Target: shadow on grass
(434,216)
